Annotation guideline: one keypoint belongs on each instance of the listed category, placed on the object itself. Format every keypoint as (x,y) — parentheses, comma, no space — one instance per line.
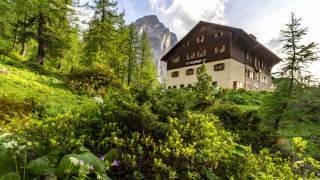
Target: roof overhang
(253,43)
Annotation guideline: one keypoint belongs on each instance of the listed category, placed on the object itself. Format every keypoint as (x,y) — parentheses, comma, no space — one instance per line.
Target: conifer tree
(52,27)
(103,33)
(204,87)
(293,73)
(147,68)
(132,48)
(8,28)
(24,23)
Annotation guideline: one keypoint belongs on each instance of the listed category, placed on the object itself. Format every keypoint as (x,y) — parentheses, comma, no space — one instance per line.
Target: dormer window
(193,55)
(220,50)
(176,60)
(218,34)
(223,49)
(216,50)
(200,39)
(202,54)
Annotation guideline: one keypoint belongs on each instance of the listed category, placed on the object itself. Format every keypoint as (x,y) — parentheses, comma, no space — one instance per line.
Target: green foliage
(104,39)
(241,96)
(245,124)
(41,166)
(293,74)
(139,131)
(146,70)
(6,164)
(93,81)
(10,109)
(203,87)
(47,90)
(72,163)
(10,176)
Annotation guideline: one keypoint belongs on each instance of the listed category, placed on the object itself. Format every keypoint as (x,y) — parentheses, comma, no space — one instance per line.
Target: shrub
(245,124)
(10,108)
(242,96)
(93,81)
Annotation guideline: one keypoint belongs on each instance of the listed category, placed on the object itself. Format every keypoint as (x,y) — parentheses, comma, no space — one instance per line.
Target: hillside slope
(18,82)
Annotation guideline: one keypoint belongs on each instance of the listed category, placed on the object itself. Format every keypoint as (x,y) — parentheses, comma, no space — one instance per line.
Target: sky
(263,18)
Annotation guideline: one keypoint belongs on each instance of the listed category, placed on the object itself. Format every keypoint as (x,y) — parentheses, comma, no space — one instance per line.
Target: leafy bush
(245,124)
(242,96)
(10,108)
(93,81)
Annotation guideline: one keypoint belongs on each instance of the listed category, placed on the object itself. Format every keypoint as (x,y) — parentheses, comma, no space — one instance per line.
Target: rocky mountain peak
(161,39)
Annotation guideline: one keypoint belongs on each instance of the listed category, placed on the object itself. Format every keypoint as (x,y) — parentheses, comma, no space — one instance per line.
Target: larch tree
(145,59)
(103,33)
(293,72)
(132,49)
(7,21)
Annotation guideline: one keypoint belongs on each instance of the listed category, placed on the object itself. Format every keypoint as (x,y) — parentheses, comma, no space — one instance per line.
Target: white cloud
(182,15)
(265,19)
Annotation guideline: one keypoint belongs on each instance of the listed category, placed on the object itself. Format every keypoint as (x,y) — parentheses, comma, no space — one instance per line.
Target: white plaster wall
(234,71)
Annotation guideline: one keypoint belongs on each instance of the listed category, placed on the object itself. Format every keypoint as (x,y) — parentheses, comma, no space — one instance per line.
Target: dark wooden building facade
(233,57)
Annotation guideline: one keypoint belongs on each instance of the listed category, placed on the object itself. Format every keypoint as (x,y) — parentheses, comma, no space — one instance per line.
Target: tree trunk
(24,37)
(279,118)
(41,43)
(130,63)
(41,53)
(23,48)
(14,46)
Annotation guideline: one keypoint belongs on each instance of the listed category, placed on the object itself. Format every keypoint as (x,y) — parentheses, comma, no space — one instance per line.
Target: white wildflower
(10,144)
(5,135)
(74,160)
(98,100)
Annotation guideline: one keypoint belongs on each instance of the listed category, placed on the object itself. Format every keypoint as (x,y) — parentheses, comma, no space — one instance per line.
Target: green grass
(21,83)
(308,130)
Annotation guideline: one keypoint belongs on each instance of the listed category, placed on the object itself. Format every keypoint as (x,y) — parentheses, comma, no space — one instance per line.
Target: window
(215,83)
(189,86)
(237,85)
(181,85)
(216,50)
(188,57)
(218,34)
(176,60)
(174,87)
(175,74)
(250,75)
(200,39)
(223,49)
(193,55)
(169,87)
(220,50)
(219,67)
(187,44)
(247,56)
(258,77)
(202,54)
(189,72)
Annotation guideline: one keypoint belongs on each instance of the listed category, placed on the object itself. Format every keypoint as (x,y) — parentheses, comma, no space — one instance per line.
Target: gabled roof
(239,31)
